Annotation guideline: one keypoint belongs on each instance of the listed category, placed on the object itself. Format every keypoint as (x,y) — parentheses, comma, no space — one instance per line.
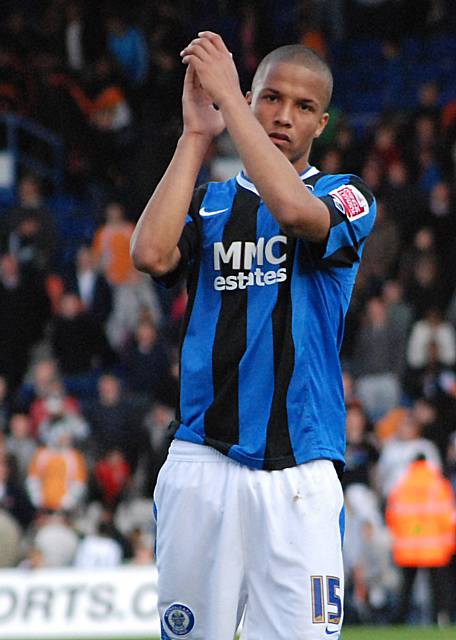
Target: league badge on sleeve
(350,201)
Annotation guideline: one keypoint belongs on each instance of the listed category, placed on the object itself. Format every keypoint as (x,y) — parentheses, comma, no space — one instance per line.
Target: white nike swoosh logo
(203,212)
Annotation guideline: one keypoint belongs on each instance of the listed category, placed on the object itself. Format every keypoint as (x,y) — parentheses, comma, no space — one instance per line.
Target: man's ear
(322,125)
(248,97)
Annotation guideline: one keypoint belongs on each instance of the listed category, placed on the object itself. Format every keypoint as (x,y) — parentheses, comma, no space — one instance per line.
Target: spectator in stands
(59,419)
(361,454)
(426,288)
(10,535)
(429,171)
(112,476)
(367,560)
(156,424)
(428,99)
(83,37)
(436,383)
(90,285)
(127,44)
(41,408)
(142,545)
(147,362)
(400,450)
(345,140)
(24,310)
(385,148)
(373,176)
(421,514)
(398,311)
(440,217)
(115,421)
(432,424)
(111,245)
(132,301)
(13,498)
(310,32)
(350,397)
(79,345)
(57,476)
(111,135)
(20,443)
(422,246)
(18,34)
(376,361)
(38,385)
(55,540)
(432,329)
(450,459)
(382,248)
(31,235)
(451,311)
(98,551)
(403,199)
(372,578)
(331,160)
(33,560)
(107,516)
(5,407)
(424,134)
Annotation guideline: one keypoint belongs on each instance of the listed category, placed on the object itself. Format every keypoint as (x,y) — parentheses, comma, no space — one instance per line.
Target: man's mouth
(279,137)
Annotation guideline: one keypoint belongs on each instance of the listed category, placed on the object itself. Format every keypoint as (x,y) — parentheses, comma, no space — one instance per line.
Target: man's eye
(271,98)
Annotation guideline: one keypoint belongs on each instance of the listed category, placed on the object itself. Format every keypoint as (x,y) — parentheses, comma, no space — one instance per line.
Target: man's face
(289,101)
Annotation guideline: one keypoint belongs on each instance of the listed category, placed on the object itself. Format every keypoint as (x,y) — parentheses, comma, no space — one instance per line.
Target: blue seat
(363,50)
(441,46)
(412,48)
(75,225)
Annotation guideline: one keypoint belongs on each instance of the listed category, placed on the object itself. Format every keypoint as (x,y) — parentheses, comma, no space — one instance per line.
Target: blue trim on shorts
(155,511)
(342,525)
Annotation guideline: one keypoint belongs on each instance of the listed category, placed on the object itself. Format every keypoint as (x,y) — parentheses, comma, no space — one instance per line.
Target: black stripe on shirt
(278,443)
(230,343)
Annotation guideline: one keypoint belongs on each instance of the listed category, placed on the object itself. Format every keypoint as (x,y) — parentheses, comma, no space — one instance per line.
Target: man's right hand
(199,114)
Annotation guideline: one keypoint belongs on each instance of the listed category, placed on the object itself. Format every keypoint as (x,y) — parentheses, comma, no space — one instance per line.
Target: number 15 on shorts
(331,593)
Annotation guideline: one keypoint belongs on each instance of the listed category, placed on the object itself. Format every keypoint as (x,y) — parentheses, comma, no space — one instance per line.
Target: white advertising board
(76,603)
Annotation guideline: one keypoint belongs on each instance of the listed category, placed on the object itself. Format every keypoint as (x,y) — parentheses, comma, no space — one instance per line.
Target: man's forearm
(274,176)
(157,232)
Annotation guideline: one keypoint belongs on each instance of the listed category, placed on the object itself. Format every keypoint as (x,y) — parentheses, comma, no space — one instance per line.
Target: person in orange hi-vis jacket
(421,515)
(57,476)
(111,245)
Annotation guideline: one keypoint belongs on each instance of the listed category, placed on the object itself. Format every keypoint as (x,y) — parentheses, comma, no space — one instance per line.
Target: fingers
(191,80)
(206,44)
(200,48)
(215,39)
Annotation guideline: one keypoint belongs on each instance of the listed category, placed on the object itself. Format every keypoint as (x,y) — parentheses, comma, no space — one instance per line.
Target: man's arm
(294,207)
(158,230)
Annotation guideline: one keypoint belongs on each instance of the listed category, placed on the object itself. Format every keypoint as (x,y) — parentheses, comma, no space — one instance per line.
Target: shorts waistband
(183,450)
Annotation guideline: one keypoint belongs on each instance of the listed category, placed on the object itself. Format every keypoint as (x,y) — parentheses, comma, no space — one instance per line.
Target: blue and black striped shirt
(260,372)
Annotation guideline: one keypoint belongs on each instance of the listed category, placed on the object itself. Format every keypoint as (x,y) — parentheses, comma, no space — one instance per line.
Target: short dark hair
(297,54)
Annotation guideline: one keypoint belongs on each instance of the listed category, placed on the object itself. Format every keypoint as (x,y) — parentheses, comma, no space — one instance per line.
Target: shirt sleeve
(189,242)
(352,212)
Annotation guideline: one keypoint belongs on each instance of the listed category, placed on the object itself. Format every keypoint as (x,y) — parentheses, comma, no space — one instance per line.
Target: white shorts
(234,541)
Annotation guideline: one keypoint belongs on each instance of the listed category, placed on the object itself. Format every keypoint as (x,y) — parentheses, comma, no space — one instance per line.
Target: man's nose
(283,114)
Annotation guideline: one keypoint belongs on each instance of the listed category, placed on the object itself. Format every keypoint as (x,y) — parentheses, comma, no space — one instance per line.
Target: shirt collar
(245,182)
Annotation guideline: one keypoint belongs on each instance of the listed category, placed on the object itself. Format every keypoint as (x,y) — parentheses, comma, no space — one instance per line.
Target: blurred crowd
(89,346)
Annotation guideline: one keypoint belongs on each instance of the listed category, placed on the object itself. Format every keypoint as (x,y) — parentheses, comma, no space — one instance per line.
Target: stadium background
(89,116)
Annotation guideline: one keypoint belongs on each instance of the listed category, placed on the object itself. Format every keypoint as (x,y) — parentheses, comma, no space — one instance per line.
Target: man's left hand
(214,66)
